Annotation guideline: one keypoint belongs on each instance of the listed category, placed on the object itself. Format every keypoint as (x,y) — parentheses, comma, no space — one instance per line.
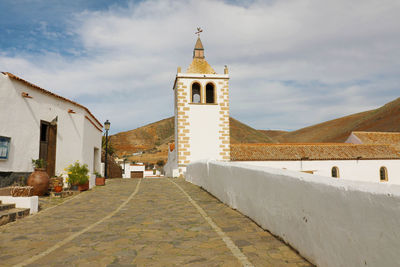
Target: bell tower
(201,113)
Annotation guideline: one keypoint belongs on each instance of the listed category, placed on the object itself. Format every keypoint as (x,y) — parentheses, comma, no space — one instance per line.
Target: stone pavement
(148,222)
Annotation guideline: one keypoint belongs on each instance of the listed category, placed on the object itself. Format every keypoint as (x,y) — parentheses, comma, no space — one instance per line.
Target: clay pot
(83,187)
(57,189)
(100,181)
(39,180)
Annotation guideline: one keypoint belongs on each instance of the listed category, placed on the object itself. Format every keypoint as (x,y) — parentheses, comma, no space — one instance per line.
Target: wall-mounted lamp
(71,111)
(25,94)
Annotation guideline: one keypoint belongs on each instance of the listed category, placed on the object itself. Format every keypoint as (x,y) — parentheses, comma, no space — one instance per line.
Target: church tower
(201,113)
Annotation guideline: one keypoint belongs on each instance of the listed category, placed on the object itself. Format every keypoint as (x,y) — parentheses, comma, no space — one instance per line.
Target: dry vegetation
(383,119)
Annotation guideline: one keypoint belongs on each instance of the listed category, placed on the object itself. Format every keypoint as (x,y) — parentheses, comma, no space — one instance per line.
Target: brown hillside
(383,119)
(153,139)
(273,133)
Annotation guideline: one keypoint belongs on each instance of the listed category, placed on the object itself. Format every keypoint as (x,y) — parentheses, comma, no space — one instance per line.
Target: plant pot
(57,189)
(100,181)
(83,187)
(74,187)
(39,180)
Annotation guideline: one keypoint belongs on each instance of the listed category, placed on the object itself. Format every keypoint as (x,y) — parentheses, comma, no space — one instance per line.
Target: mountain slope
(152,140)
(383,119)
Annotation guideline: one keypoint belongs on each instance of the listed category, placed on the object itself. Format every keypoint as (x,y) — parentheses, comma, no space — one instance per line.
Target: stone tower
(201,113)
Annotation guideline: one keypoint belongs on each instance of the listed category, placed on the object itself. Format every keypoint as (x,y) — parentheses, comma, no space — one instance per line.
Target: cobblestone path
(156,225)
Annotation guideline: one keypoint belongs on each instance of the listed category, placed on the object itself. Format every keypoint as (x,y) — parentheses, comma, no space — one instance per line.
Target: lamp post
(106,127)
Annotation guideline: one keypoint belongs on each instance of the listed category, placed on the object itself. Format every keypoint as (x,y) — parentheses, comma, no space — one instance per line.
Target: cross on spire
(199,30)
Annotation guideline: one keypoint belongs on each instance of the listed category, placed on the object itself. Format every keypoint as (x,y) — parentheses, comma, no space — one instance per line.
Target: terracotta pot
(100,181)
(57,189)
(39,180)
(83,187)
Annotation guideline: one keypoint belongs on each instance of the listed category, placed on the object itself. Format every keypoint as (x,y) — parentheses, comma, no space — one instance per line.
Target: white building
(201,115)
(357,162)
(133,170)
(36,123)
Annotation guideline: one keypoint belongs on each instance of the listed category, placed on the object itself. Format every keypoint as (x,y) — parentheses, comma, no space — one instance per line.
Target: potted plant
(78,176)
(99,179)
(39,179)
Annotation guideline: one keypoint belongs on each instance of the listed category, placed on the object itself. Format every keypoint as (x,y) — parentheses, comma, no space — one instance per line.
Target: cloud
(292,63)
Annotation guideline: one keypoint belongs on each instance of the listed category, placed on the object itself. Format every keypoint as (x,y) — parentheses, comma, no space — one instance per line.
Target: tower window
(210,97)
(196,93)
(335,172)
(383,174)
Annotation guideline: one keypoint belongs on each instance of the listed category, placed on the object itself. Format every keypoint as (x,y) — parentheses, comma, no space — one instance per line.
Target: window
(210,97)
(383,174)
(335,172)
(196,93)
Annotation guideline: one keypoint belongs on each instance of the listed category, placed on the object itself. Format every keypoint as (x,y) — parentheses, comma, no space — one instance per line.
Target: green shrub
(77,173)
(39,163)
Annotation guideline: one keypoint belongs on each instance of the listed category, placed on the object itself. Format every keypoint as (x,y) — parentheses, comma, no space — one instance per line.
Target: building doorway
(47,149)
(136,174)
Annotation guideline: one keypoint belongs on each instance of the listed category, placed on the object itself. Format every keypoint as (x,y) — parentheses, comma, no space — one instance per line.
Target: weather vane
(199,30)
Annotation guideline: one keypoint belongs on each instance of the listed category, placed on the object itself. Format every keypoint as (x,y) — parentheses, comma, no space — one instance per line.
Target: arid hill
(152,140)
(383,119)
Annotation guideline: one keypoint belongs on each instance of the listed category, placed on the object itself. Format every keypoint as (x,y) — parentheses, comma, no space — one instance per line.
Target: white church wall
(203,132)
(331,222)
(202,129)
(20,119)
(356,170)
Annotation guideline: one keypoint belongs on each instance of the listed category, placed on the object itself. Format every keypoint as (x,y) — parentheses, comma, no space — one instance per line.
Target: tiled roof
(389,138)
(200,65)
(14,77)
(312,151)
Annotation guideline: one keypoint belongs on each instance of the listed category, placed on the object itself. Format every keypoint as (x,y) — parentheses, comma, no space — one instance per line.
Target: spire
(198,51)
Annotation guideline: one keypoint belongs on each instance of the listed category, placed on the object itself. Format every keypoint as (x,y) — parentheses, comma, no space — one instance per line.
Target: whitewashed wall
(331,222)
(20,119)
(171,167)
(356,170)
(131,168)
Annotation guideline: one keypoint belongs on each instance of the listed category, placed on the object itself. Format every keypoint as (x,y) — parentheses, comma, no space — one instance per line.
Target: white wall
(356,170)
(171,167)
(20,119)
(203,132)
(132,168)
(331,222)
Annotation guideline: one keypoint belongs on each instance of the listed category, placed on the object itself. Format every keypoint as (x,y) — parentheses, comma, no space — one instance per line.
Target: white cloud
(291,61)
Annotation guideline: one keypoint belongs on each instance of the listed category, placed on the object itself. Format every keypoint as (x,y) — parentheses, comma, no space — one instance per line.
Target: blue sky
(292,63)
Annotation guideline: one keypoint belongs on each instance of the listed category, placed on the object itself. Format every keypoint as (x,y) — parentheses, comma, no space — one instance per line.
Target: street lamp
(106,127)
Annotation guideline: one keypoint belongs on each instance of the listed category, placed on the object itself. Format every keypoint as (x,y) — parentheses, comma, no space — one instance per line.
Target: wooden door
(137,174)
(51,151)
(47,149)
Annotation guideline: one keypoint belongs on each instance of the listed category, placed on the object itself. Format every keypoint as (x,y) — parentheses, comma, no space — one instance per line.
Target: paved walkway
(149,222)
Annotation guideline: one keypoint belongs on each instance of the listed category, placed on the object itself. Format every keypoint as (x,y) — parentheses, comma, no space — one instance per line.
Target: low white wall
(356,170)
(331,222)
(31,203)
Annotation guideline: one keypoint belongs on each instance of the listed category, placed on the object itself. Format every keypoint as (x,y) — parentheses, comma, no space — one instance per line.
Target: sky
(292,63)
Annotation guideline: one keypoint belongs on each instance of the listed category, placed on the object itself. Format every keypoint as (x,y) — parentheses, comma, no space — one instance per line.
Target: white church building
(36,123)
(201,115)
(202,132)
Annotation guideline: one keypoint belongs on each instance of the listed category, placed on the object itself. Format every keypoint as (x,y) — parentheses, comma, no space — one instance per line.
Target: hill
(383,119)
(150,142)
